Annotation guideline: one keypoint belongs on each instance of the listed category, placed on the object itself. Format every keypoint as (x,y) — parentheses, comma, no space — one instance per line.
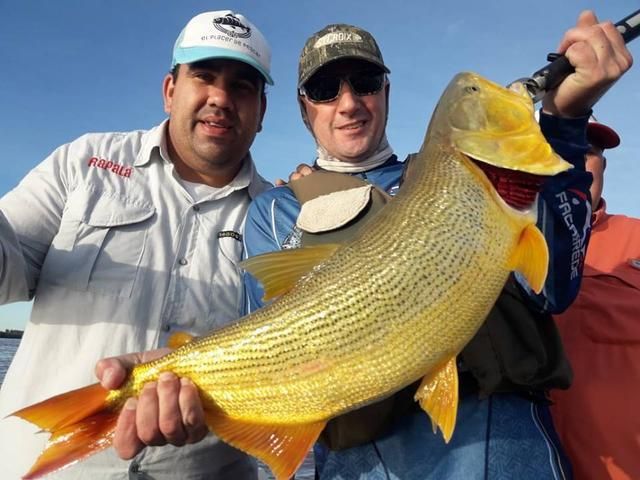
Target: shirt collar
(257,184)
(155,140)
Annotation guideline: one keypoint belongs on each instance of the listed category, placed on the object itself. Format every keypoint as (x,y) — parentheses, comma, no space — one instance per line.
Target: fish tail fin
(79,423)
(282,447)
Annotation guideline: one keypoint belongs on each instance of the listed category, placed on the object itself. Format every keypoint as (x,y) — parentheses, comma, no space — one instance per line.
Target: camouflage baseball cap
(335,42)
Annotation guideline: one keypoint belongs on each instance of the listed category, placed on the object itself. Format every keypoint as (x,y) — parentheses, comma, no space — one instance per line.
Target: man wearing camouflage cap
(343,91)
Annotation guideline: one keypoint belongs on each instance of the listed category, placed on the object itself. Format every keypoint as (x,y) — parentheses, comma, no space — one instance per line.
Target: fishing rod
(552,74)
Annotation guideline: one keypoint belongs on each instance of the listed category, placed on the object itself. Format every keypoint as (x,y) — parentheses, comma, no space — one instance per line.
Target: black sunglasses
(326,88)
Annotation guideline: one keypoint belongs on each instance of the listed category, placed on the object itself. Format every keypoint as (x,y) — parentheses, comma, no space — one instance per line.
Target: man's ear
(305,116)
(263,110)
(168,87)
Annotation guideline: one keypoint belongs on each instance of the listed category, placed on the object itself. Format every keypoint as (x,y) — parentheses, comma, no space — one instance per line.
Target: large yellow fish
(355,323)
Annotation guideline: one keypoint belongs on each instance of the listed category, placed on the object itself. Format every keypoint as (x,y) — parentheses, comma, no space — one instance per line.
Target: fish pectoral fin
(438,396)
(279,271)
(531,257)
(178,339)
(79,423)
(282,447)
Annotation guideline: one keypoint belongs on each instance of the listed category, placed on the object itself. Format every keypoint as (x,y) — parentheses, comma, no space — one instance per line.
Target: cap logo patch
(233,27)
(338,37)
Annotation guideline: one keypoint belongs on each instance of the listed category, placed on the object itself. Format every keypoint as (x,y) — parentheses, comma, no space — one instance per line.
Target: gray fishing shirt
(117,255)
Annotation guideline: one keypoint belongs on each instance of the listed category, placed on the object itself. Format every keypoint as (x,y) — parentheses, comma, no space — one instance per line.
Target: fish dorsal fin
(438,396)
(282,447)
(531,257)
(178,339)
(279,271)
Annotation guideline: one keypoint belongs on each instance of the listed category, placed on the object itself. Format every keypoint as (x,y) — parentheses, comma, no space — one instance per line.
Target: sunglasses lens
(322,89)
(366,83)
(327,88)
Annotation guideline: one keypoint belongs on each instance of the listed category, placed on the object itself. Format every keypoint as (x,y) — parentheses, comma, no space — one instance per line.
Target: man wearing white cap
(597,418)
(121,238)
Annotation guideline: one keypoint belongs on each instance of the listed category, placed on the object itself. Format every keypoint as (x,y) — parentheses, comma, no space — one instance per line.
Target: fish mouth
(518,189)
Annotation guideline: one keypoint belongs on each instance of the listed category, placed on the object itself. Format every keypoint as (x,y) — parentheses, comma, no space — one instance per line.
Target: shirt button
(196,208)
(183,261)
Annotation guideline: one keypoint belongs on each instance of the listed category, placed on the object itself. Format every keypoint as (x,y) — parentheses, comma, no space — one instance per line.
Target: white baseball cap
(223,34)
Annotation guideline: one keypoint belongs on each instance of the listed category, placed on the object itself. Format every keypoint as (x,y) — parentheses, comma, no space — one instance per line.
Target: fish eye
(471,89)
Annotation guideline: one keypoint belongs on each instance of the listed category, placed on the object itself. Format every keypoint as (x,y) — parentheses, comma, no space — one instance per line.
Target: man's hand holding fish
(167,411)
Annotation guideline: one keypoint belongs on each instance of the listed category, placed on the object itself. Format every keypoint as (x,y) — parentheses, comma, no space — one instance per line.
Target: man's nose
(219,95)
(347,99)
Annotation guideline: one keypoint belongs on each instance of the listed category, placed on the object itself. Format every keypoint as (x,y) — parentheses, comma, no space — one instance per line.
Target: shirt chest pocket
(100,244)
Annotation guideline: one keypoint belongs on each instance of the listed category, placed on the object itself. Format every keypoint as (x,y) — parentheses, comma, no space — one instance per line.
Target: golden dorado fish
(355,323)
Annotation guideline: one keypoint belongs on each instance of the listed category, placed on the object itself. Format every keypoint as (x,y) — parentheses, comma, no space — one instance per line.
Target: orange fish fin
(79,426)
(438,396)
(279,271)
(75,442)
(65,409)
(531,257)
(282,447)
(178,339)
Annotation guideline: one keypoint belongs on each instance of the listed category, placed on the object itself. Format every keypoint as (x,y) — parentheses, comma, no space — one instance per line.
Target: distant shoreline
(11,334)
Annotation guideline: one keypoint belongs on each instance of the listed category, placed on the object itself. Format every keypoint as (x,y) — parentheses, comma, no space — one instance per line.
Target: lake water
(8,347)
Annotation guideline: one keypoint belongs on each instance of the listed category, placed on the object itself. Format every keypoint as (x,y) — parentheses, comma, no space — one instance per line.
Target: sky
(78,66)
